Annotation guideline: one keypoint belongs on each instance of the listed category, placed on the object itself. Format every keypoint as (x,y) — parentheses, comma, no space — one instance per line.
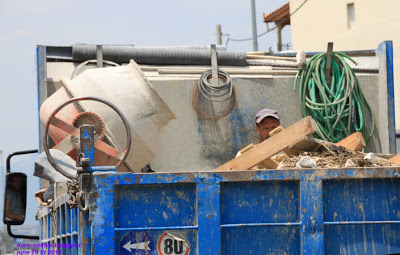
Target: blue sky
(25,24)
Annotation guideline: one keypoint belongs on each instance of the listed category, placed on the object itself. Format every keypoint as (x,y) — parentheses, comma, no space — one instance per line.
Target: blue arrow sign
(137,243)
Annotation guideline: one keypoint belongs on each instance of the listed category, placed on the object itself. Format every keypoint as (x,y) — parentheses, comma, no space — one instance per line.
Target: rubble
(332,157)
(306,162)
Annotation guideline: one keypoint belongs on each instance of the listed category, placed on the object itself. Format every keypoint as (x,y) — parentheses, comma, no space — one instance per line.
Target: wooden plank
(232,71)
(249,56)
(276,131)
(354,142)
(268,163)
(247,148)
(288,151)
(378,159)
(306,144)
(395,159)
(271,146)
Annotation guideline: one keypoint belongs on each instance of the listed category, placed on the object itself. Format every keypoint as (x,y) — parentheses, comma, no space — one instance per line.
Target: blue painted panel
(261,240)
(68,218)
(391,96)
(74,219)
(361,200)
(262,212)
(100,230)
(156,236)
(311,213)
(362,239)
(155,205)
(208,195)
(260,202)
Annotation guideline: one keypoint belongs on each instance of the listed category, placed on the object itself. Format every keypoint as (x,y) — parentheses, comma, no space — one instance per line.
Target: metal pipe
(219,35)
(254,24)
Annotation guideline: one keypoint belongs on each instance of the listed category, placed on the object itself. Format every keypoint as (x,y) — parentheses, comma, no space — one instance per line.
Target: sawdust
(334,157)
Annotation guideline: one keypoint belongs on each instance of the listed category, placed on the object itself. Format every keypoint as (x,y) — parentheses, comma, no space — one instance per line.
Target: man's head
(266,121)
(15,183)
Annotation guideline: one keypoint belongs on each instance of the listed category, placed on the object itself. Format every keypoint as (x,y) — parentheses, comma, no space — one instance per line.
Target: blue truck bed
(322,211)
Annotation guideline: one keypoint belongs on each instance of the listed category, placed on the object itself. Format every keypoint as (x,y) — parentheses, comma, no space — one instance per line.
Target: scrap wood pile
(292,148)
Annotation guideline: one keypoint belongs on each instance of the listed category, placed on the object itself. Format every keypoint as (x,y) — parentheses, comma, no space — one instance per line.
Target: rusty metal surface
(250,175)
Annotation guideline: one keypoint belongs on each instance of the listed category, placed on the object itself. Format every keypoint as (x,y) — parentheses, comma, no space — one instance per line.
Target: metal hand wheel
(74,131)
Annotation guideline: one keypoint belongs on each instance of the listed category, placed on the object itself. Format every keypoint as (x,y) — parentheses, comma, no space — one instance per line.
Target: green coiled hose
(338,110)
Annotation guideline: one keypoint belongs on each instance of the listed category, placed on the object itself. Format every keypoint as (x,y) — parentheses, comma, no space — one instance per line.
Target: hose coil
(338,110)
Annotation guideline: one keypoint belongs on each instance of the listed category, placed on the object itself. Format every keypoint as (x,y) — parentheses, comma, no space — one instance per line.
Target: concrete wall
(192,143)
(323,21)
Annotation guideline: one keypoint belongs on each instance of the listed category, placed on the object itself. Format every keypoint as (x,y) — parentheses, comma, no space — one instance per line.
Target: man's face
(16,183)
(265,126)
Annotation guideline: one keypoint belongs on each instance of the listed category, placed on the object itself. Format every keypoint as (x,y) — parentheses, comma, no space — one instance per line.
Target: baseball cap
(263,113)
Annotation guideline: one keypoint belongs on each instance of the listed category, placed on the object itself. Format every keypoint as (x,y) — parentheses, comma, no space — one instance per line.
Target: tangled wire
(214,93)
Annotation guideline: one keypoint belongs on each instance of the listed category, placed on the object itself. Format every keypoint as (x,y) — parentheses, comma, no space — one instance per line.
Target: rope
(226,91)
(339,110)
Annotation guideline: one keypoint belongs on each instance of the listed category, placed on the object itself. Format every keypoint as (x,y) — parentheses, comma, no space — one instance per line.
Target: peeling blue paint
(313,211)
(391,95)
(241,126)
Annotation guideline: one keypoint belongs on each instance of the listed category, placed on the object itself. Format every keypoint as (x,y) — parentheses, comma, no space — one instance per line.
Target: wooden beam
(247,148)
(273,145)
(288,151)
(276,131)
(395,159)
(379,159)
(354,142)
(269,163)
(231,71)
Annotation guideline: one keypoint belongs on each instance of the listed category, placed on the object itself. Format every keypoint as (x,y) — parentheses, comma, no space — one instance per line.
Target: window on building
(351,16)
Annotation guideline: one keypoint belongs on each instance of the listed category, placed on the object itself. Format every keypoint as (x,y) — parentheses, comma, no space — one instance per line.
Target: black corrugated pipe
(158,56)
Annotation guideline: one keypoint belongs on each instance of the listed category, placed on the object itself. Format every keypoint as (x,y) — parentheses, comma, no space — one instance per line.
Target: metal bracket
(82,195)
(99,56)
(86,148)
(328,67)
(214,65)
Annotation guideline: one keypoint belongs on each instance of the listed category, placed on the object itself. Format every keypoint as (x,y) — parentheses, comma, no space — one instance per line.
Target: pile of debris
(333,157)
(291,148)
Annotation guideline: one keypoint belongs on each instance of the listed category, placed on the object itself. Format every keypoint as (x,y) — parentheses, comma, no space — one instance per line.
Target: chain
(82,203)
(72,190)
(77,198)
(53,212)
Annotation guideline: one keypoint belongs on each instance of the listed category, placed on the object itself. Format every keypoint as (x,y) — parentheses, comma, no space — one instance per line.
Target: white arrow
(137,246)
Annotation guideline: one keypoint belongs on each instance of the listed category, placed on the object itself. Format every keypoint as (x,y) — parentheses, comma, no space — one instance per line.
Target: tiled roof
(277,15)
